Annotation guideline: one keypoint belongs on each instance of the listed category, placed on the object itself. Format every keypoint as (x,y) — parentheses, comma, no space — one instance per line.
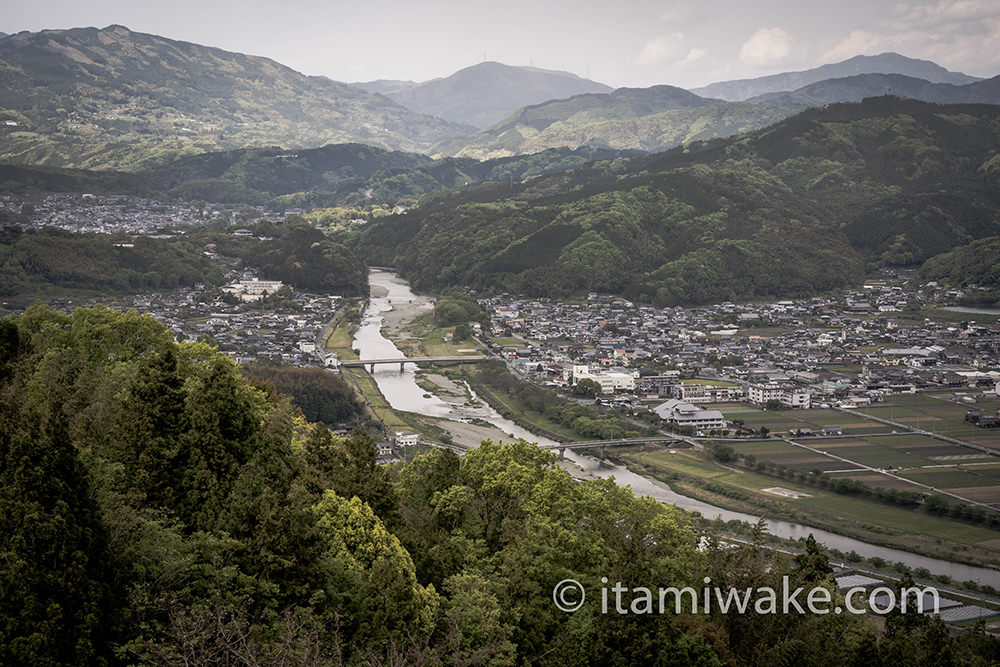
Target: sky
(626,43)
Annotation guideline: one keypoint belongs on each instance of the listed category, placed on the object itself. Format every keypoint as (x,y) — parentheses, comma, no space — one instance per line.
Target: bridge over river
(371,363)
(665,439)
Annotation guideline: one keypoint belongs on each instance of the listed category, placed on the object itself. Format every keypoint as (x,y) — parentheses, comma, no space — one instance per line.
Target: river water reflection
(403,393)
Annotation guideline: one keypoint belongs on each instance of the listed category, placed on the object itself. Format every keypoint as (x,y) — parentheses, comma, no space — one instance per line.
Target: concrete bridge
(371,363)
(584,444)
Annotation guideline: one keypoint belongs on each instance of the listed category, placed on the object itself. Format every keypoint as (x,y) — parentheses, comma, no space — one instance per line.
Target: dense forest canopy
(803,206)
(48,260)
(158,508)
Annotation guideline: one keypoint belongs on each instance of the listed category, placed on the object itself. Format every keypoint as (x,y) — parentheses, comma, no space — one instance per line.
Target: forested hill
(799,207)
(646,119)
(334,175)
(345,174)
(113,98)
(156,507)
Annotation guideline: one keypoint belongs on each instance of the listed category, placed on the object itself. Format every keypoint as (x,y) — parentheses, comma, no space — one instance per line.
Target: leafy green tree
(392,603)
(587,387)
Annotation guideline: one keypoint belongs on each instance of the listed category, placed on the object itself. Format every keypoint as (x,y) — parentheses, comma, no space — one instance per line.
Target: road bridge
(624,442)
(402,361)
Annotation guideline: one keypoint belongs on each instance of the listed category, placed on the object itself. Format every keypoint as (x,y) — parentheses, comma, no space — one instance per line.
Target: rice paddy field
(868,448)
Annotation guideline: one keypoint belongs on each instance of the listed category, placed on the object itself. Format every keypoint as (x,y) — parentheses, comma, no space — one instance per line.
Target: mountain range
(117,98)
(805,205)
(857,88)
(484,93)
(885,63)
(661,117)
(646,119)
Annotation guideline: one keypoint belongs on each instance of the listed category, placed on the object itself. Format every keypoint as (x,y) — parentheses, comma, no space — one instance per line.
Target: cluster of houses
(107,214)
(847,350)
(247,335)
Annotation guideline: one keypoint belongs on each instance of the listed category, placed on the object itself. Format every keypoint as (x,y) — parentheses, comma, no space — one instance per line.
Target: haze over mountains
(885,63)
(857,88)
(661,117)
(485,93)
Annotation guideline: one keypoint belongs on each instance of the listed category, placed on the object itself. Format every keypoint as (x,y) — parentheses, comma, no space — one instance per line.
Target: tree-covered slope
(344,174)
(647,119)
(116,98)
(794,209)
(158,508)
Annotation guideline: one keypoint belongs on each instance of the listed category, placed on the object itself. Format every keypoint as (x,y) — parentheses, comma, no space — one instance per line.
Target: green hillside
(646,119)
(113,98)
(800,207)
(345,174)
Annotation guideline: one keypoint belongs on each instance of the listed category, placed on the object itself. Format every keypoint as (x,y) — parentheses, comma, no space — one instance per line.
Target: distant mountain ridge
(857,88)
(485,93)
(384,86)
(885,63)
(647,119)
(113,98)
(795,209)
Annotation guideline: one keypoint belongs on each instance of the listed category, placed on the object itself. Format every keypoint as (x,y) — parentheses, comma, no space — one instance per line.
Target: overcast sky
(624,43)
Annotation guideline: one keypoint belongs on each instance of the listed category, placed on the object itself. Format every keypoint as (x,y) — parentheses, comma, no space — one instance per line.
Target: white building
(706,393)
(686,414)
(790,396)
(611,380)
(253,290)
(406,439)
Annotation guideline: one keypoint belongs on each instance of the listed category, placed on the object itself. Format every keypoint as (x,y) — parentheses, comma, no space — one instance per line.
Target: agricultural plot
(773,420)
(940,414)
(782,453)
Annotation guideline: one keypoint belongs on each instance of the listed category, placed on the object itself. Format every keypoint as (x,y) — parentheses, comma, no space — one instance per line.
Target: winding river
(403,393)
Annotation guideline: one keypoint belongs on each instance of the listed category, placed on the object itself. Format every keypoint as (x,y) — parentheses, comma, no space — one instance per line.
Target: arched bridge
(371,363)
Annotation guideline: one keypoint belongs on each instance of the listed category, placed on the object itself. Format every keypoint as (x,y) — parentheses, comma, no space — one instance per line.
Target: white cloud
(858,43)
(693,55)
(766,46)
(943,13)
(677,13)
(659,49)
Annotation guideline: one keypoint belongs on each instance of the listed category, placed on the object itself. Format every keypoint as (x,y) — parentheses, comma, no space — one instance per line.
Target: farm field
(943,465)
(892,524)
(938,413)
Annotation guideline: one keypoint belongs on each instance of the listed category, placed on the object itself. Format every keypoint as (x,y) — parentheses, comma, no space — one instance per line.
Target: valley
(415,370)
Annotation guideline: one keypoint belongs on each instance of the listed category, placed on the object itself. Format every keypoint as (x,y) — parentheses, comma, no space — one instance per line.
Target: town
(846,351)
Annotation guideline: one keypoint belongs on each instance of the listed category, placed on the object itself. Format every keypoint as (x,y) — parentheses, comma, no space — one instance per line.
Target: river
(403,393)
